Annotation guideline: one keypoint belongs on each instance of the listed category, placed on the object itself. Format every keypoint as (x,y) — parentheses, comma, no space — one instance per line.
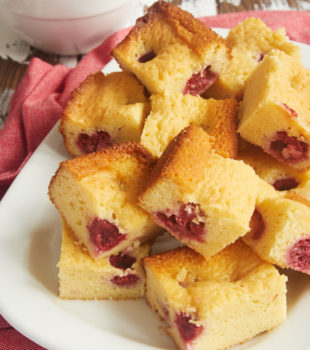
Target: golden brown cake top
(99,93)
(185,158)
(182,20)
(93,163)
(231,264)
(184,25)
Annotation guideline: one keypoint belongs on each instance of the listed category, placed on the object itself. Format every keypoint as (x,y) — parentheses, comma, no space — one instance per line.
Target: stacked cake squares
(167,151)
(119,276)
(96,195)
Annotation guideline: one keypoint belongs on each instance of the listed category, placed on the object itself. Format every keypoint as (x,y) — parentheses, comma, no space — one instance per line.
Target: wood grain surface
(11,72)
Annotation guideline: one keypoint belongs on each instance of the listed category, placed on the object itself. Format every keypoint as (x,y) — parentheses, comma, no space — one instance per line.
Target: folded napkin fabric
(38,103)
(42,94)
(296,23)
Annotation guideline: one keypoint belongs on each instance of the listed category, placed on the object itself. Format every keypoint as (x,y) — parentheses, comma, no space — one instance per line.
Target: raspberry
(288,149)
(147,57)
(257,225)
(299,255)
(104,235)
(285,184)
(291,110)
(200,82)
(122,261)
(125,281)
(94,142)
(186,223)
(260,56)
(188,330)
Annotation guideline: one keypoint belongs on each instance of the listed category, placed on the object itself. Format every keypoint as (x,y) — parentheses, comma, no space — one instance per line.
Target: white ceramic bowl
(67,27)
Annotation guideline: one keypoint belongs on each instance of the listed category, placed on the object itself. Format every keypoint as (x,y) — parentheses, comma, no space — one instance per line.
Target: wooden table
(11,72)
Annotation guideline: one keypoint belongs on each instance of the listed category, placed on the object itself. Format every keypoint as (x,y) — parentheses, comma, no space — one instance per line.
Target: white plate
(29,251)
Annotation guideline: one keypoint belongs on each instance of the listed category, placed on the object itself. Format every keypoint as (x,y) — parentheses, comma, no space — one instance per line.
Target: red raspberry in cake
(257,226)
(275,110)
(201,198)
(94,142)
(200,82)
(260,56)
(187,329)
(288,149)
(299,255)
(285,184)
(125,281)
(96,195)
(82,277)
(104,110)
(291,110)
(184,56)
(186,223)
(104,235)
(122,261)
(147,57)
(215,303)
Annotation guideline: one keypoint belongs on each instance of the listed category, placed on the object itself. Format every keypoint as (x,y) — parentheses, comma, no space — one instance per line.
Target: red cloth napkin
(42,93)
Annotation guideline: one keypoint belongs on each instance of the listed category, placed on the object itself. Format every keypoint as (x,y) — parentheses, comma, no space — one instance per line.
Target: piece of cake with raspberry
(169,50)
(103,110)
(204,200)
(280,233)
(171,113)
(96,195)
(275,112)
(249,41)
(118,276)
(216,303)
(279,175)
(292,183)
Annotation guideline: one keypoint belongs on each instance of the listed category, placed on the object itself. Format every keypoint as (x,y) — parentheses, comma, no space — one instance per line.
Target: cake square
(171,113)
(280,233)
(216,303)
(275,112)
(96,195)
(103,110)
(249,41)
(201,198)
(169,50)
(115,277)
